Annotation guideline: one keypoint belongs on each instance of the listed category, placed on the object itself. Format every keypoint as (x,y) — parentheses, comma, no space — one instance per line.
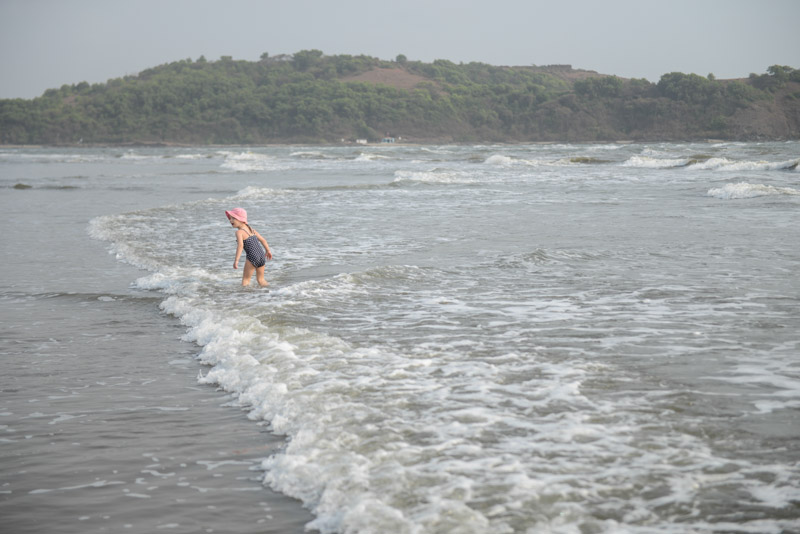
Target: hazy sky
(47,43)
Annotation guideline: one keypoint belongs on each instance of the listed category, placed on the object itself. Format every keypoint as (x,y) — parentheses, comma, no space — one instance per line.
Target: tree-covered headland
(309,97)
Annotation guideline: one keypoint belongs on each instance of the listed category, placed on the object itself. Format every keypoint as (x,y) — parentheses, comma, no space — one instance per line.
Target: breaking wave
(709,163)
(745,190)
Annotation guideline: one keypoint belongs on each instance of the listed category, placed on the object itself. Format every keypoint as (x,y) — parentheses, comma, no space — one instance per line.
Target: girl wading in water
(251,242)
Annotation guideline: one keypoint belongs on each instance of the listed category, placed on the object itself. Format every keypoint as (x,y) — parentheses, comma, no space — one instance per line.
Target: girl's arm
(239,248)
(265,245)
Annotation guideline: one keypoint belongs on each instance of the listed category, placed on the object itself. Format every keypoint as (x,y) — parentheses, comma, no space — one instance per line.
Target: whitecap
(501,160)
(498,159)
(724,164)
(647,162)
(248,162)
(252,192)
(433,177)
(745,190)
(605,147)
(371,157)
(131,155)
(193,156)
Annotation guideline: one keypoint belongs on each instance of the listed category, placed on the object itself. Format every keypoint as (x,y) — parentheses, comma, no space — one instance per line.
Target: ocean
(456,339)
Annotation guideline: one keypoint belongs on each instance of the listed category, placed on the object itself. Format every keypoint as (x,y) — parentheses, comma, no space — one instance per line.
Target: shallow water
(103,427)
(565,338)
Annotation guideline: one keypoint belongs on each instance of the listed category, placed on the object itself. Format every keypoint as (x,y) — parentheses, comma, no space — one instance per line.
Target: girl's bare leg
(260,277)
(249,269)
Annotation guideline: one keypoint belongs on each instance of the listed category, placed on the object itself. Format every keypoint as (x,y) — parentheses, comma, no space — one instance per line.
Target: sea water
(103,427)
(528,338)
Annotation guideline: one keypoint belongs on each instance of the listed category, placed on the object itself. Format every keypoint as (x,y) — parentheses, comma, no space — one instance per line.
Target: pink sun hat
(237,213)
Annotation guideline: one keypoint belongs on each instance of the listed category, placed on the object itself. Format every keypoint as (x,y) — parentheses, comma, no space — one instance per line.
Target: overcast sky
(48,43)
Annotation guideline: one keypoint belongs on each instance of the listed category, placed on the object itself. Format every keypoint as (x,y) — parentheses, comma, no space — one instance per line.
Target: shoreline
(126,439)
(477,355)
(106,426)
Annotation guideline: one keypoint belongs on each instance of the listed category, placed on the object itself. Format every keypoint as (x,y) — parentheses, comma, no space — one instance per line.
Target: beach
(104,427)
(475,338)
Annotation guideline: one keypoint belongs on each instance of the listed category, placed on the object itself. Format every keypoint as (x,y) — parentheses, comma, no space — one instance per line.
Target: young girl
(248,240)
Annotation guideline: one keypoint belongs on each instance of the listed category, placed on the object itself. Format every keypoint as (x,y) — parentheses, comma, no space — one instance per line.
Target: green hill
(309,97)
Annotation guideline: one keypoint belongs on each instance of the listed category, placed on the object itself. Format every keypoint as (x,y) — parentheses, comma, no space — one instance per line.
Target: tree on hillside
(305,59)
(310,97)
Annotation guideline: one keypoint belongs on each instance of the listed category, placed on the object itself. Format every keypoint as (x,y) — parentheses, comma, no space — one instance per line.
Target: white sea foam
(715,164)
(249,162)
(371,157)
(502,160)
(424,390)
(252,192)
(369,425)
(439,150)
(337,404)
(434,177)
(744,190)
(194,156)
(499,159)
(309,154)
(594,148)
(647,162)
(96,484)
(134,156)
(725,164)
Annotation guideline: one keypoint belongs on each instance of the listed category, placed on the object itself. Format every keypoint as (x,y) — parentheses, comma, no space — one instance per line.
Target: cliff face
(778,118)
(312,98)
(650,116)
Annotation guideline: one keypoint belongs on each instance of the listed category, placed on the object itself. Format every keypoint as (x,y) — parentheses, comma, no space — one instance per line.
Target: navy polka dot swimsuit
(255,253)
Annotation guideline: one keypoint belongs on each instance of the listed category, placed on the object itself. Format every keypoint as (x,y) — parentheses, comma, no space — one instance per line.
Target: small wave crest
(194,156)
(703,162)
(724,164)
(498,159)
(433,177)
(648,162)
(371,157)
(248,162)
(252,192)
(502,160)
(745,190)
(135,156)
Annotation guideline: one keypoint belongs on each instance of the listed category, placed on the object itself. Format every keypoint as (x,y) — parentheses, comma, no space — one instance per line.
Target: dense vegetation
(310,97)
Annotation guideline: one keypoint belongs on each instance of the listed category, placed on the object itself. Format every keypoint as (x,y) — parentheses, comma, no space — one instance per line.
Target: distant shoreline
(316,100)
(378,144)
